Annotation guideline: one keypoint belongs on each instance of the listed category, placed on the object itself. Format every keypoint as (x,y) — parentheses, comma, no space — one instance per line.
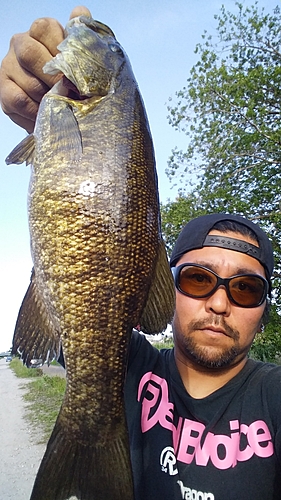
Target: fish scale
(100,266)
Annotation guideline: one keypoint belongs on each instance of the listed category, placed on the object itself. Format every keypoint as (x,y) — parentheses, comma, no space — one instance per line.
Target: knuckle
(23,49)
(26,54)
(15,39)
(17,101)
(20,101)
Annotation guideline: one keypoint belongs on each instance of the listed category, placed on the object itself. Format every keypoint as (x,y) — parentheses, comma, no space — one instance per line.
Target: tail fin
(91,472)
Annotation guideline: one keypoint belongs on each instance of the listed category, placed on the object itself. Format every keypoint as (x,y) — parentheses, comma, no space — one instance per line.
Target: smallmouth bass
(100,264)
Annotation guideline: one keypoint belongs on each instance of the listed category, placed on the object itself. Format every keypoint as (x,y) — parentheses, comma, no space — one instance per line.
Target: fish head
(90,59)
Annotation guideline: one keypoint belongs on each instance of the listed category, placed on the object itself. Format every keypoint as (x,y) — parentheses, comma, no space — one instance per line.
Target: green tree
(230,110)
(175,214)
(267,344)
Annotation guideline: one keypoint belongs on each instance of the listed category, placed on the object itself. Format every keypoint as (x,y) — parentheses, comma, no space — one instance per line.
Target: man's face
(213,332)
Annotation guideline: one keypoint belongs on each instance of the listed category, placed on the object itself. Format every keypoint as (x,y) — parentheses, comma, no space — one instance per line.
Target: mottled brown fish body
(95,251)
(99,260)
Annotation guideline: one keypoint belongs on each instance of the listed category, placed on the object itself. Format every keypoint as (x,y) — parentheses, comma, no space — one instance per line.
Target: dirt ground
(53,370)
(20,453)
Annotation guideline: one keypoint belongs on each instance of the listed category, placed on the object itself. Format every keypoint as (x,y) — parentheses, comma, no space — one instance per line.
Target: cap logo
(232,244)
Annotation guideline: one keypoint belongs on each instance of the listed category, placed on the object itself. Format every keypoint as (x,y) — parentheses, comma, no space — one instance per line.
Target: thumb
(80,11)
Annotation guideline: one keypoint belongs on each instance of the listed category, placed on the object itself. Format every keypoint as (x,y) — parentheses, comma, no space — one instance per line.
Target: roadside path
(20,454)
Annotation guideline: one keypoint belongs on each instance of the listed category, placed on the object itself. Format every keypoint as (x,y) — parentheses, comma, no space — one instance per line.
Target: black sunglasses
(199,282)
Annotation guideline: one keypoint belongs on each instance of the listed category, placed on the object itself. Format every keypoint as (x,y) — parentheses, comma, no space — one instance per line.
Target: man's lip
(214,329)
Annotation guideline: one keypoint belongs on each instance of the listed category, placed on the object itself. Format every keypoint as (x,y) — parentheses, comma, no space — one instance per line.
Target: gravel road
(20,454)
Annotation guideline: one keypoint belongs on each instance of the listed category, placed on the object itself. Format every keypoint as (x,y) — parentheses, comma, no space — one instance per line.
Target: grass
(44,397)
(44,394)
(22,371)
(166,344)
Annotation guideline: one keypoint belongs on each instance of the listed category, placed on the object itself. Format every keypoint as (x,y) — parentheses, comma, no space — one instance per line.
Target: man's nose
(219,302)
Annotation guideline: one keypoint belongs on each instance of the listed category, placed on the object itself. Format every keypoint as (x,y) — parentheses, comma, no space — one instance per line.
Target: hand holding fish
(22,81)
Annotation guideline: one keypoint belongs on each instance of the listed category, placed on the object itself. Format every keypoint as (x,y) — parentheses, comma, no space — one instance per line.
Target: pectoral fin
(160,305)
(36,335)
(66,138)
(24,151)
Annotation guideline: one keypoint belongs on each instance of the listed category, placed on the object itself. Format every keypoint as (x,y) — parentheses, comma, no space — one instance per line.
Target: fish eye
(114,47)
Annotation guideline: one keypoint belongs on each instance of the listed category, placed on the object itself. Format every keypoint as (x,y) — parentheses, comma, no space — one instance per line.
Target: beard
(206,356)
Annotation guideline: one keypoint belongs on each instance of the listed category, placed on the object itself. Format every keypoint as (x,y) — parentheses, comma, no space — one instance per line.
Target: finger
(48,32)
(18,105)
(28,125)
(23,66)
(22,81)
(80,11)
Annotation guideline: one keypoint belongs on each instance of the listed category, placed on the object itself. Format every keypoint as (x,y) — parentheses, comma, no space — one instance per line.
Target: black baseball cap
(195,235)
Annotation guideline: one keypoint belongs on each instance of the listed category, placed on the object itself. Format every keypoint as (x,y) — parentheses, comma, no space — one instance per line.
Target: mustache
(216,322)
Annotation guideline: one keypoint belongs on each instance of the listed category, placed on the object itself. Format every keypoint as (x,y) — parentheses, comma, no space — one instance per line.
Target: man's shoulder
(143,355)
(139,342)
(263,374)
(264,368)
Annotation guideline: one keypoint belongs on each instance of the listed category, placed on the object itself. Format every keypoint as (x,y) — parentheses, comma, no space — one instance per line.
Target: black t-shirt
(226,446)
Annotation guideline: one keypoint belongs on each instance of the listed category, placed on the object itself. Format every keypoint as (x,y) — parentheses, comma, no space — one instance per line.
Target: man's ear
(260,328)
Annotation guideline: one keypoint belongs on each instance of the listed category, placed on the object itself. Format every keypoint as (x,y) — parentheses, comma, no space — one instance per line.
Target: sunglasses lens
(196,282)
(247,291)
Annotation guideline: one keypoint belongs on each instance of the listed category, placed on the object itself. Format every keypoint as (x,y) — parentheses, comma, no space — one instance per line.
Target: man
(210,417)
(204,420)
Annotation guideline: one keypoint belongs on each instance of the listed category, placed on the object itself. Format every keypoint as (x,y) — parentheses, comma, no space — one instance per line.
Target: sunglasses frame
(220,281)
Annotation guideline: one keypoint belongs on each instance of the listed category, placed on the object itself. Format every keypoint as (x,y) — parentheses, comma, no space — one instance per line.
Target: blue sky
(159,38)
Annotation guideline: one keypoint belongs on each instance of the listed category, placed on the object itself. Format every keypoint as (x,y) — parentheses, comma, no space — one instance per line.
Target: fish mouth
(71,91)
(73,84)
(97,26)
(66,88)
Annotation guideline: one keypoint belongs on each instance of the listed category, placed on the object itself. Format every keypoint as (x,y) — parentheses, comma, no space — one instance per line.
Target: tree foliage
(267,344)
(174,216)
(230,111)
